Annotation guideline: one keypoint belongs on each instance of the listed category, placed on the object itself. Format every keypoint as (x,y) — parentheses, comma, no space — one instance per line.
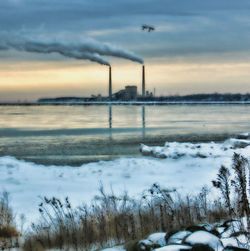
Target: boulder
(158,238)
(205,238)
(174,247)
(240,241)
(147,245)
(201,247)
(178,237)
(231,248)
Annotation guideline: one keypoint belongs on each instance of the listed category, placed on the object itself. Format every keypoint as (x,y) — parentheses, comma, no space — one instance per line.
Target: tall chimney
(143,80)
(110,83)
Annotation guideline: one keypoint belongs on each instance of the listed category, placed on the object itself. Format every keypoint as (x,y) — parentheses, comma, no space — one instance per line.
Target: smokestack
(110,83)
(143,80)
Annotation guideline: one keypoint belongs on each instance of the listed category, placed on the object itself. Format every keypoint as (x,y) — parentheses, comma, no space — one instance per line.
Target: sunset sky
(198,46)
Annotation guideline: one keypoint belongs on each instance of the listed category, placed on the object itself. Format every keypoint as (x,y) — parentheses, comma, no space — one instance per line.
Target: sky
(198,46)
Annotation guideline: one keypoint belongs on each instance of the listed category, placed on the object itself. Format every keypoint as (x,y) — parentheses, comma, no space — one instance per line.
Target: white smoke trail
(88,49)
(109,50)
(47,48)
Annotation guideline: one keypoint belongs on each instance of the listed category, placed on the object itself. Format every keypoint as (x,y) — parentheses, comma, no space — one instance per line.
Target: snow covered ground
(184,166)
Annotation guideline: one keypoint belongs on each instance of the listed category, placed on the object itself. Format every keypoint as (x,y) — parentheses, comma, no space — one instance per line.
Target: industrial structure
(143,81)
(130,92)
(110,83)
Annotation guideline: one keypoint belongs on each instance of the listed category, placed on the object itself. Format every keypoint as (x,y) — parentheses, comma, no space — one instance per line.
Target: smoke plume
(84,50)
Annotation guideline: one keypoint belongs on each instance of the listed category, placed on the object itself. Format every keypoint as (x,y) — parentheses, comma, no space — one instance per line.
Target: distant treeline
(214,97)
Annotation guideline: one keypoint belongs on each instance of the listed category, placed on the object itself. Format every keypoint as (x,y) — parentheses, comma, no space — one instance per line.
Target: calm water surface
(76,134)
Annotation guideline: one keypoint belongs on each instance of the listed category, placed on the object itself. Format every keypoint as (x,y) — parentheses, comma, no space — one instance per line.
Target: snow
(173,248)
(178,237)
(232,228)
(158,238)
(241,241)
(118,248)
(203,237)
(176,150)
(26,182)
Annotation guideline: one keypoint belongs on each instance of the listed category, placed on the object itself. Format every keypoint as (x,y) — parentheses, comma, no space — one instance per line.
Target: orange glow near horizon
(33,80)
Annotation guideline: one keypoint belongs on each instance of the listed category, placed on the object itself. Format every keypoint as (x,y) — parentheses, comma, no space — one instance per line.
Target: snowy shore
(184,166)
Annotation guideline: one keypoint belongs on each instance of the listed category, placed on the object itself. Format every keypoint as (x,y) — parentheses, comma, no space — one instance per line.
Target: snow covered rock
(201,247)
(178,237)
(158,238)
(243,136)
(118,248)
(206,238)
(146,245)
(232,227)
(174,247)
(237,143)
(145,150)
(235,249)
(176,150)
(204,227)
(240,241)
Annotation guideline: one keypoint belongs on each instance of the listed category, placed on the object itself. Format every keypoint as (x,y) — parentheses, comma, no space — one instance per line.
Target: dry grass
(113,219)
(7,227)
(8,233)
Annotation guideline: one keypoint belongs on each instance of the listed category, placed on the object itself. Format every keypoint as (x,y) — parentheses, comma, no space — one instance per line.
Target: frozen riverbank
(187,168)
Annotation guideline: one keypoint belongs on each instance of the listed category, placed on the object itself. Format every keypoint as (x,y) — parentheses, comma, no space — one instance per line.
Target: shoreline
(135,103)
(66,151)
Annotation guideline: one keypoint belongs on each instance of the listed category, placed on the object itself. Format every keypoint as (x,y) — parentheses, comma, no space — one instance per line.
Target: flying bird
(147,28)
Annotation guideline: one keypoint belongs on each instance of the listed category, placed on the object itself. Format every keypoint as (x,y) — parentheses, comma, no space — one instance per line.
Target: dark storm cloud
(184,27)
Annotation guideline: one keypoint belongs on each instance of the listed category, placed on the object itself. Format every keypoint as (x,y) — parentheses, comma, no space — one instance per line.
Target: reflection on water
(123,121)
(73,135)
(110,122)
(142,119)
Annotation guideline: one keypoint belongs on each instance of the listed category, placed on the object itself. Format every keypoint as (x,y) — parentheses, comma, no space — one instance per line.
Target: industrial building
(129,93)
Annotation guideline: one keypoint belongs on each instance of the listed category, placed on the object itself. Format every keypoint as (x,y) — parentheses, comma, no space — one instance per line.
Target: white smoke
(83,50)
(47,48)
(109,50)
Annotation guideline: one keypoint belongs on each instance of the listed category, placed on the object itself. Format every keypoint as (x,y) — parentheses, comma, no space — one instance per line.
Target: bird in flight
(148,28)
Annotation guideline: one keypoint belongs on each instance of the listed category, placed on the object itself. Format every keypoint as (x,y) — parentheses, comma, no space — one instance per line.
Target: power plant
(143,81)
(127,87)
(110,83)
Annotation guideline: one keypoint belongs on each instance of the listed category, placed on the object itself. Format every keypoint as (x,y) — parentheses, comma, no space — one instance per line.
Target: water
(77,134)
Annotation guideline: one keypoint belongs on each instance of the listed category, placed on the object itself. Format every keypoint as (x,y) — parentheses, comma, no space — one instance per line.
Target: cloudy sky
(198,46)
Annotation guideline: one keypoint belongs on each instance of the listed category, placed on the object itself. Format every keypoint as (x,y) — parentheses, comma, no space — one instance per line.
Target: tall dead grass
(114,219)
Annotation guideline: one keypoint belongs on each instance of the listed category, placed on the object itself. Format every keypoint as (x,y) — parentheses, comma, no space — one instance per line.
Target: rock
(230,248)
(201,155)
(196,228)
(243,136)
(178,237)
(201,247)
(142,245)
(231,227)
(118,248)
(237,143)
(145,150)
(174,247)
(158,239)
(240,241)
(205,238)
(147,245)
(210,228)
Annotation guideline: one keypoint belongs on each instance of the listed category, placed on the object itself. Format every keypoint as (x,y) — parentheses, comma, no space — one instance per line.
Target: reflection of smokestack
(110,83)
(143,80)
